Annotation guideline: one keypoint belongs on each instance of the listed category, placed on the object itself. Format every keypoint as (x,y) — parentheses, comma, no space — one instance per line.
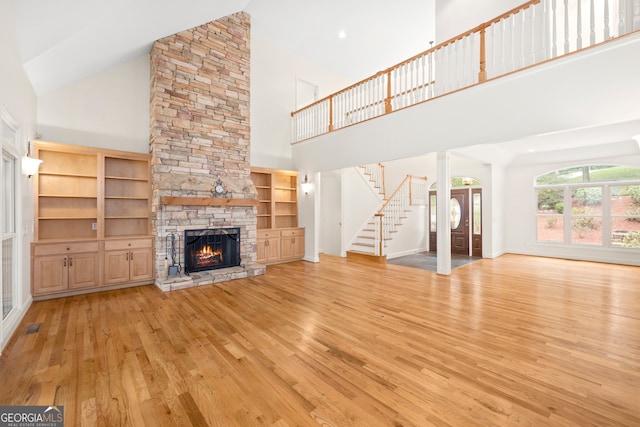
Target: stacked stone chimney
(200,137)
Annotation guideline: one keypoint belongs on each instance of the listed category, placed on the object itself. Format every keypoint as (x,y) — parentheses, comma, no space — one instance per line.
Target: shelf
(55,218)
(70,175)
(278,195)
(122,178)
(66,196)
(124,198)
(90,193)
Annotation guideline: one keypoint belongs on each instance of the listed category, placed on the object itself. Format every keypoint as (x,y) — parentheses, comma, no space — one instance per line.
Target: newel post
(387,100)
(482,75)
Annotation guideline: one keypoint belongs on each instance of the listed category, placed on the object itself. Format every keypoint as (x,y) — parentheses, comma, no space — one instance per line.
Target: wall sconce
(30,165)
(306,185)
(467,180)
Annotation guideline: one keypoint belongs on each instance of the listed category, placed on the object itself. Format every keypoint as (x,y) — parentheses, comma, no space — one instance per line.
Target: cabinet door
(261,255)
(116,266)
(273,249)
(268,250)
(83,270)
(140,264)
(298,247)
(49,274)
(292,244)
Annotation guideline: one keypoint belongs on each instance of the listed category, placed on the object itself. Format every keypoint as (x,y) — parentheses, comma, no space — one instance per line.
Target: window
(8,216)
(589,205)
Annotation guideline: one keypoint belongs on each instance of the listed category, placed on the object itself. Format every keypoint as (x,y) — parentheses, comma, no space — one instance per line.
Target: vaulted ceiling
(65,40)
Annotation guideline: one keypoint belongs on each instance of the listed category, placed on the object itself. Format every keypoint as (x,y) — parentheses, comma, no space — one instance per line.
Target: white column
(443,213)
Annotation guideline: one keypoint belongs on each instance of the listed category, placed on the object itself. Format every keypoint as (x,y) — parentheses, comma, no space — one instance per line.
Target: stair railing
(530,34)
(375,172)
(389,217)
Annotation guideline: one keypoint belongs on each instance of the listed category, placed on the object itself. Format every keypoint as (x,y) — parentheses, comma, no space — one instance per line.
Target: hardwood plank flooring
(514,341)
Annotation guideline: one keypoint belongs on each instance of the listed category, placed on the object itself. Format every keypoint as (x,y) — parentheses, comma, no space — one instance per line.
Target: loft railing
(535,32)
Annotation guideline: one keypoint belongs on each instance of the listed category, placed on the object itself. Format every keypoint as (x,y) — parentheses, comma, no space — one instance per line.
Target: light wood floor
(515,341)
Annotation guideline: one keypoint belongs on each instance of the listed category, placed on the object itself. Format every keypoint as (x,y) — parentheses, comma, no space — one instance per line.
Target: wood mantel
(208,201)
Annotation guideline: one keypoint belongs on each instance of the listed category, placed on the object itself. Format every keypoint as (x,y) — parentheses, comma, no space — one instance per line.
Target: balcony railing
(535,32)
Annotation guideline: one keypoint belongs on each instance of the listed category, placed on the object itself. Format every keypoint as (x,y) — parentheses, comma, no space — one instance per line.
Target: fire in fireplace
(211,248)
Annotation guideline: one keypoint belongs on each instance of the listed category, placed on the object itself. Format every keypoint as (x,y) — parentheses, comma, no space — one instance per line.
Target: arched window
(596,205)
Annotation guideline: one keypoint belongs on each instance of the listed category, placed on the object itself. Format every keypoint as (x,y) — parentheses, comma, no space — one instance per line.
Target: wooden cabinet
(128,260)
(65,266)
(292,244)
(66,194)
(89,196)
(279,238)
(268,246)
(126,196)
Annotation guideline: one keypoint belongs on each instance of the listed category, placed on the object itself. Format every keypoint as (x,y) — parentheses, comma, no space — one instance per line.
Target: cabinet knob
(68,249)
(128,244)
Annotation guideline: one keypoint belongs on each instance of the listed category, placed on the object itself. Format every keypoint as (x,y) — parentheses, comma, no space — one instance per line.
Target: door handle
(64,261)
(70,262)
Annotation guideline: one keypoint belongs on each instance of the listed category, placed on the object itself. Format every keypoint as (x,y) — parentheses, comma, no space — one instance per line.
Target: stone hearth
(200,138)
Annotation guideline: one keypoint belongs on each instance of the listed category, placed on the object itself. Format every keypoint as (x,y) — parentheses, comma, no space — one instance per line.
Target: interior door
(459,222)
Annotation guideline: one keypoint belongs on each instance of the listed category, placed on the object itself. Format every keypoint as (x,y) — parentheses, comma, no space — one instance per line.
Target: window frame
(568,215)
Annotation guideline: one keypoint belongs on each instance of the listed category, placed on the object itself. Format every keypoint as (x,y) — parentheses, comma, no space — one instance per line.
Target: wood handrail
(381,210)
(387,71)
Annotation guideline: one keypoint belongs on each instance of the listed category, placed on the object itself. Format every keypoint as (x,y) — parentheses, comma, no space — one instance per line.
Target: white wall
(330,213)
(19,100)
(454,17)
(273,97)
(107,110)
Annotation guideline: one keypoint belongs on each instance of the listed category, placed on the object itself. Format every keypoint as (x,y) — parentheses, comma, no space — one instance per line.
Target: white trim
(9,325)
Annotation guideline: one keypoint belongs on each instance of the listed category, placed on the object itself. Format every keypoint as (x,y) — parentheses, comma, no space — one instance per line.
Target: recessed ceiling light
(342,34)
(531,150)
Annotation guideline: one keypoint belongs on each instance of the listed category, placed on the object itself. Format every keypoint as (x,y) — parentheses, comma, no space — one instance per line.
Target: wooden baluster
(387,99)
(533,34)
(622,18)
(454,66)
(566,26)
(544,54)
(579,26)
(554,14)
(523,47)
(405,85)
(592,23)
(431,93)
(607,31)
(467,67)
(513,42)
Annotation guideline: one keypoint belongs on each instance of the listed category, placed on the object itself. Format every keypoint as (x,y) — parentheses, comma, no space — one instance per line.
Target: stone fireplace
(199,144)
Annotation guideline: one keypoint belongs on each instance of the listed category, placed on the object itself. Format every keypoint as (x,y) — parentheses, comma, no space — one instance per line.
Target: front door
(459,209)
(459,222)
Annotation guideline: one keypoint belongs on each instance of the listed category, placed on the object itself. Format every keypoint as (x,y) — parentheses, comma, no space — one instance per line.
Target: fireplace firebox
(211,248)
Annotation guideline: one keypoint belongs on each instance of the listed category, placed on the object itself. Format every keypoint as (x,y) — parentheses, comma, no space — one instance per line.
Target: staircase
(372,239)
